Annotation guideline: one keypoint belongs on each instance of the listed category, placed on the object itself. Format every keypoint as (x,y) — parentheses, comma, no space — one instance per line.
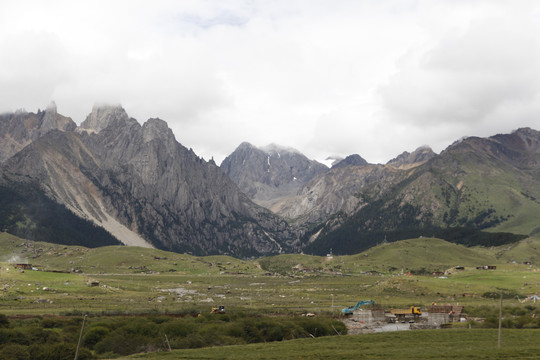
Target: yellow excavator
(218,310)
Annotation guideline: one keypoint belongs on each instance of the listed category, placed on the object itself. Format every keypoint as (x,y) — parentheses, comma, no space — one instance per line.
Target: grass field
(144,280)
(422,344)
(126,280)
(37,292)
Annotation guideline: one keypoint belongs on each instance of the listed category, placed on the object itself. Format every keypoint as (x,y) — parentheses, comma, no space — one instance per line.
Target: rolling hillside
(430,254)
(477,184)
(420,255)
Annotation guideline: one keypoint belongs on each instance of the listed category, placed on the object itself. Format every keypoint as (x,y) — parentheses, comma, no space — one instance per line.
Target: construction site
(368,317)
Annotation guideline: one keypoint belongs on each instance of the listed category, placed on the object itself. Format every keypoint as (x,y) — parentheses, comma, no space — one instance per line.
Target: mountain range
(112,180)
(134,181)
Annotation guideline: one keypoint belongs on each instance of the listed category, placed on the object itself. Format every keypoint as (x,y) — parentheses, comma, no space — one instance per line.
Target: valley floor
(126,281)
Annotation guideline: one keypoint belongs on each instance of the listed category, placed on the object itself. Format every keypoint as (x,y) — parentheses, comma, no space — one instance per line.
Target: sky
(326,77)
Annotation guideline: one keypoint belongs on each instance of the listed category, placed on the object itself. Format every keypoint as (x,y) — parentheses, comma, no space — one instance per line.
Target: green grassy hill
(429,344)
(417,255)
(525,250)
(430,254)
(116,259)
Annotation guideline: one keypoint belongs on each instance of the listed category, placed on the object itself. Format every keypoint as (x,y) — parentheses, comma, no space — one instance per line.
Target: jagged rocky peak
(351,160)
(156,128)
(49,120)
(19,129)
(269,172)
(418,156)
(52,120)
(103,116)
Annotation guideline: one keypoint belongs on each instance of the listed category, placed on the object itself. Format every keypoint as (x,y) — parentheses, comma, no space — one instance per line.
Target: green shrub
(140,327)
(59,351)
(234,329)
(122,342)
(70,333)
(483,311)
(14,336)
(491,322)
(251,332)
(56,338)
(192,341)
(507,294)
(159,319)
(94,335)
(14,352)
(522,321)
(515,311)
(37,335)
(508,323)
(178,328)
(4,322)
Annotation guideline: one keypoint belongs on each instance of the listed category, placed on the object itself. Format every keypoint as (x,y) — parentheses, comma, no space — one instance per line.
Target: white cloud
(483,79)
(370,77)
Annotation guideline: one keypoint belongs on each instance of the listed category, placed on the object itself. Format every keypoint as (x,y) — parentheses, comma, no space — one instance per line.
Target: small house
(486,267)
(23,266)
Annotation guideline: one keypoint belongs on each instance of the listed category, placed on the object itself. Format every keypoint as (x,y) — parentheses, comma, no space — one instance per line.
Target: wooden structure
(454,312)
(23,266)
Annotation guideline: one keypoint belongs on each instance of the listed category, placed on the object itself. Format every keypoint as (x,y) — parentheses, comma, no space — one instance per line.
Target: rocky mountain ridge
(270,173)
(141,185)
(317,196)
(475,184)
(113,179)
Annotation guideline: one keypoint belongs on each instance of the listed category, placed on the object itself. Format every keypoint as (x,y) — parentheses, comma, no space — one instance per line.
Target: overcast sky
(334,77)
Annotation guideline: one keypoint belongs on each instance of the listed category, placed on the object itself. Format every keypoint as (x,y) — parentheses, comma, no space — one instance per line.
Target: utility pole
(500,322)
(80,338)
(168,344)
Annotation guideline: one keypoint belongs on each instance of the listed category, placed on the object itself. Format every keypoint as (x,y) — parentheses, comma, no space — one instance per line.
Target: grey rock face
(343,189)
(19,129)
(102,117)
(268,174)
